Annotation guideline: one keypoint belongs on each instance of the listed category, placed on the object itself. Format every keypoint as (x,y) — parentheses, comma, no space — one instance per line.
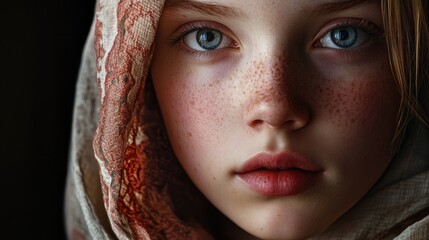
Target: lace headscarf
(133,170)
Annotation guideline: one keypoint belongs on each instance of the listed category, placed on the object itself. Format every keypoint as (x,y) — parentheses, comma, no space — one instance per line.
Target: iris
(344,37)
(209,39)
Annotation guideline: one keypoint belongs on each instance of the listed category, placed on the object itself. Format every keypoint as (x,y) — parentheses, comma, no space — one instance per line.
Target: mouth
(282,174)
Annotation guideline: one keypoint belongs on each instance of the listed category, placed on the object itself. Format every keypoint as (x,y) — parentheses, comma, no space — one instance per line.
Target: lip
(281,174)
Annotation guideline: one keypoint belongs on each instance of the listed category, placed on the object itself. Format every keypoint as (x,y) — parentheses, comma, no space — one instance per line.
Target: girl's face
(281,112)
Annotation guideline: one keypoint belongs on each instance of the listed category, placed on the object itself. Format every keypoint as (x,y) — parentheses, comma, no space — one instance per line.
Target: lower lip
(279,182)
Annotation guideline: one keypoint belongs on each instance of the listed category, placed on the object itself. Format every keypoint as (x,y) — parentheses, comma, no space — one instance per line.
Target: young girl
(236,119)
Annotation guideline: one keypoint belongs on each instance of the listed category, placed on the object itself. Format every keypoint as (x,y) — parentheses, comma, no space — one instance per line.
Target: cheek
(367,103)
(355,115)
(193,111)
(358,118)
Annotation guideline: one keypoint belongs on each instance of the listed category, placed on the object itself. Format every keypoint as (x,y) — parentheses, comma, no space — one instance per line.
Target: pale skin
(276,82)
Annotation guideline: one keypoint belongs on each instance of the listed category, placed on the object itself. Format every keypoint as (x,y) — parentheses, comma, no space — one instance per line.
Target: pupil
(342,35)
(207,36)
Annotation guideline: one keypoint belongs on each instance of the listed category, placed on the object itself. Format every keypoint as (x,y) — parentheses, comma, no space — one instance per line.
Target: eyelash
(185,30)
(177,39)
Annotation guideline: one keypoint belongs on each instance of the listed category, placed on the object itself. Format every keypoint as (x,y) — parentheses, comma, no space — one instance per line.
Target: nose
(276,101)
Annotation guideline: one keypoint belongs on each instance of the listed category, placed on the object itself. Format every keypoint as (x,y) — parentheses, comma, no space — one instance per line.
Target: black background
(40,51)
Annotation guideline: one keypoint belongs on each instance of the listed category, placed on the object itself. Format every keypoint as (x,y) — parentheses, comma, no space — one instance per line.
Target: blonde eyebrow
(203,8)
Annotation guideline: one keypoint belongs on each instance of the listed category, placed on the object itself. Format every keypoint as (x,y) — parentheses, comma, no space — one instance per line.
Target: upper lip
(278,161)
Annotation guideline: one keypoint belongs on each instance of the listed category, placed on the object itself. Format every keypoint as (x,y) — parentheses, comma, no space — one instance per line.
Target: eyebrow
(211,9)
(338,6)
(203,8)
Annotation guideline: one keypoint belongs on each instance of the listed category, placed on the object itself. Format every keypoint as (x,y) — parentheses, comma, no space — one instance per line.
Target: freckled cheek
(193,116)
(363,107)
(195,127)
(201,110)
(357,119)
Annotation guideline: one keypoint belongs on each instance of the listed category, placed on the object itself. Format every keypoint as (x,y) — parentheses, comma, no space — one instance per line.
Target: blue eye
(208,39)
(205,39)
(344,37)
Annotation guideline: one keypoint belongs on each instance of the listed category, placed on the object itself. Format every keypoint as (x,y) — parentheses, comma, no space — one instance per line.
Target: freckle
(201,110)
(214,178)
(262,229)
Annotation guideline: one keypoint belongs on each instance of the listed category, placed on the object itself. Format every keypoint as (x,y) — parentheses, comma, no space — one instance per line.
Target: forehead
(238,8)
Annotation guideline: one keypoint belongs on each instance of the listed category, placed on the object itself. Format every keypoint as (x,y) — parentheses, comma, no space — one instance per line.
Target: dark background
(40,51)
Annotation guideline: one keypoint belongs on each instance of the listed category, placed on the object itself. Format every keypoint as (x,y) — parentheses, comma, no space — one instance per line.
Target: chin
(277,225)
(285,233)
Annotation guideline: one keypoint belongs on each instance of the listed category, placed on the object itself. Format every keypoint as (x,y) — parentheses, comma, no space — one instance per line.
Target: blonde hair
(407,37)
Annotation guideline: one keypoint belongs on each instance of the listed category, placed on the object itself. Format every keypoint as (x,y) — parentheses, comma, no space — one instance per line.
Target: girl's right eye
(206,39)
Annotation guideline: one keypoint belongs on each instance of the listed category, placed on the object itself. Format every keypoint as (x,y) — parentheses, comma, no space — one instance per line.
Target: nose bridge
(271,79)
(273,100)
(273,83)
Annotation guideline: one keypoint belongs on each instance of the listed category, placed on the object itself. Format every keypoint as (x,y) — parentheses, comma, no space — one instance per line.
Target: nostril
(292,124)
(298,123)
(256,123)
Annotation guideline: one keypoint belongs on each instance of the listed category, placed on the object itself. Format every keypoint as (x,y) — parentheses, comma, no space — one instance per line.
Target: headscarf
(123,179)
(117,192)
